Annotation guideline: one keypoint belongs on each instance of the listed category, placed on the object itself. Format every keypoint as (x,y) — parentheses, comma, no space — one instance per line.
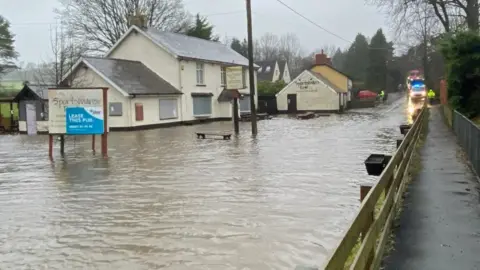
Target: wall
(315,96)
(137,47)
(212,84)
(286,75)
(151,110)
(89,78)
(338,79)
(42,126)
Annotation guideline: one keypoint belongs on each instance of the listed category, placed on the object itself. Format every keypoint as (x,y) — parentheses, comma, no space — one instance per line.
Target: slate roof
(196,48)
(326,81)
(281,65)
(228,95)
(262,74)
(132,77)
(41,90)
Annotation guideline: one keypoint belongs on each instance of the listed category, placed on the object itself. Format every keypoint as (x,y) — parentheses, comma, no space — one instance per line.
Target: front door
(292,103)
(31,111)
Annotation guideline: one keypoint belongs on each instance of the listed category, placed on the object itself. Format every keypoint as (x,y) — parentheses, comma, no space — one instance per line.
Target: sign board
(88,102)
(84,121)
(234,77)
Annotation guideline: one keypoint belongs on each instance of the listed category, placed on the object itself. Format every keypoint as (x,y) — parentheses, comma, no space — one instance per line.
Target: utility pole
(251,70)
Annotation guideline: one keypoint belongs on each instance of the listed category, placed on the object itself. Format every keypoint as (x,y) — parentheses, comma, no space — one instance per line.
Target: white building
(273,71)
(160,78)
(311,92)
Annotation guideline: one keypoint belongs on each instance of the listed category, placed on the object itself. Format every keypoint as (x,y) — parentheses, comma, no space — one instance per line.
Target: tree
(338,59)
(356,59)
(201,29)
(270,88)
(103,22)
(463,59)
(7,50)
(268,47)
(240,46)
(65,54)
(378,57)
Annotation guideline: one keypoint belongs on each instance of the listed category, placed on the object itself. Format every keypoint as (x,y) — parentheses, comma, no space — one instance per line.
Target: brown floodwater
(164,199)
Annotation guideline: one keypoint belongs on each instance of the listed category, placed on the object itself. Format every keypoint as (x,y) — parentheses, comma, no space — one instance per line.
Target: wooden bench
(203,135)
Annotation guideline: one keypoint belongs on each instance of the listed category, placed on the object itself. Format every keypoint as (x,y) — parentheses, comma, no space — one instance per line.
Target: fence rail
(371,231)
(468,136)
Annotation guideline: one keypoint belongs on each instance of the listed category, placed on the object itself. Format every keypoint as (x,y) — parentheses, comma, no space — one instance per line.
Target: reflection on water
(167,200)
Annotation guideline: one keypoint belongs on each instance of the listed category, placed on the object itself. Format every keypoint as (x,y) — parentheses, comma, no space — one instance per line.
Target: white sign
(60,99)
(234,76)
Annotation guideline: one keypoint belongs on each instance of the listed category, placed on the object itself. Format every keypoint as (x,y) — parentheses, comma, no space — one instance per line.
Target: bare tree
(268,47)
(66,51)
(103,22)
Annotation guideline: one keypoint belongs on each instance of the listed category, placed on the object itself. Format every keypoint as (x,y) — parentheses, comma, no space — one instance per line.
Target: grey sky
(31,21)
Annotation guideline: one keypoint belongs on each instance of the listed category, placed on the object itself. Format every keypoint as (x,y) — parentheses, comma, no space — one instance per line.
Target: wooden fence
(369,231)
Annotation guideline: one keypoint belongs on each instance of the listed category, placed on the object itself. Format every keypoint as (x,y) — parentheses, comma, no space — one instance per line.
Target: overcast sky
(31,21)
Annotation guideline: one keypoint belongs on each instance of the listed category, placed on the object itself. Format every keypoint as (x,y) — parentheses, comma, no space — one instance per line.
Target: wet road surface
(439,227)
(164,199)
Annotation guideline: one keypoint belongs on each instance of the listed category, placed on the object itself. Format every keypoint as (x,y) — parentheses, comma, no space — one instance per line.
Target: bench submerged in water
(224,135)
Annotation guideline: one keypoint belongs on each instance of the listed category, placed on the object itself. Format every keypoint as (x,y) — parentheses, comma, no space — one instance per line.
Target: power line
(321,27)
(312,22)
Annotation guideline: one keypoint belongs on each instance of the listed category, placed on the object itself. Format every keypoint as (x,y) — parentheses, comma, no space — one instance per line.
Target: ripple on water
(164,199)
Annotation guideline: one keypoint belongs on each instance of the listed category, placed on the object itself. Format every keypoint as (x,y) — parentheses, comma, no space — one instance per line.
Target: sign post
(234,81)
(78,111)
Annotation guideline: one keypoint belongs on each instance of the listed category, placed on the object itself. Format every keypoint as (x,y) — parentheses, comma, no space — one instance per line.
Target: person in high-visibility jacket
(431,95)
(382,95)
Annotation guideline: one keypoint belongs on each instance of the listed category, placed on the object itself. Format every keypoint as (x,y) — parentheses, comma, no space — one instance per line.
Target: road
(164,199)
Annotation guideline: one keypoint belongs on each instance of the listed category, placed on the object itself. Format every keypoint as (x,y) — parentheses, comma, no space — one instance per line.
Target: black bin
(405,128)
(375,164)
(399,142)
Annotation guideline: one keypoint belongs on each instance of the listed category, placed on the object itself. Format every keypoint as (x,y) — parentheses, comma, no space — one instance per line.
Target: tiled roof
(281,65)
(196,48)
(132,77)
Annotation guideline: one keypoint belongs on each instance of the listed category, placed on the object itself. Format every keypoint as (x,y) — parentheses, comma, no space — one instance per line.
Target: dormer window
(267,69)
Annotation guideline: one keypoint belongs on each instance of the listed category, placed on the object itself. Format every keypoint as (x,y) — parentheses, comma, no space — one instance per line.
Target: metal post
(105,124)
(62,144)
(251,71)
(50,146)
(235,116)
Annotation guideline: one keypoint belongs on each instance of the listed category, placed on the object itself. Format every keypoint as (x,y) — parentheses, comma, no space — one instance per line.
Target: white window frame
(223,76)
(175,101)
(200,73)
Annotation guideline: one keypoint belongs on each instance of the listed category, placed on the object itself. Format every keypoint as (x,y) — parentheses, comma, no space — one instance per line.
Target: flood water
(164,199)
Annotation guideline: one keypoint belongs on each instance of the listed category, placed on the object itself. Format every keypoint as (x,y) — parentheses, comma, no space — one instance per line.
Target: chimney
(322,59)
(138,20)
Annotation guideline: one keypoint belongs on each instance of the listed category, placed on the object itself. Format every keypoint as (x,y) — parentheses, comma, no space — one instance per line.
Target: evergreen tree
(201,29)
(7,50)
(356,61)
(240,46)
(338,60)
(379,53)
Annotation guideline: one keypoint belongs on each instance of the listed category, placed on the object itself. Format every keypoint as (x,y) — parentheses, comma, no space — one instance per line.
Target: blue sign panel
(84,121)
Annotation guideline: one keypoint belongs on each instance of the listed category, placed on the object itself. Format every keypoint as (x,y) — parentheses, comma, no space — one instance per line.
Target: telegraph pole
(251,70)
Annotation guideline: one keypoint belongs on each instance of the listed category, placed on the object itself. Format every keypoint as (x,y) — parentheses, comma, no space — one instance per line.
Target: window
(115,109)
(200,74)
(168,109)
(223,75)
(245,104)
(138,112)
(202,105)
(267,69)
